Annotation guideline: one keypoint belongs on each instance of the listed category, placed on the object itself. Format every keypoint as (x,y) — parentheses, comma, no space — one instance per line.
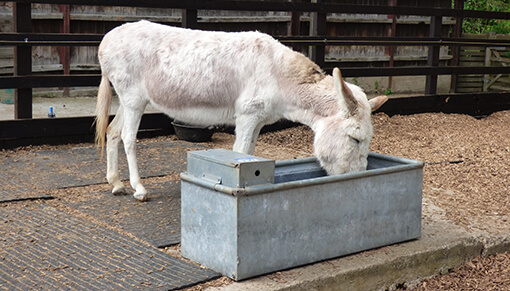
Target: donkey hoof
(119,191)
(141,196)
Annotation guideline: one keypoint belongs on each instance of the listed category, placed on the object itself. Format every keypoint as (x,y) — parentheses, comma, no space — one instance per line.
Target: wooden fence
(79,19)
(478,103)
(488,56)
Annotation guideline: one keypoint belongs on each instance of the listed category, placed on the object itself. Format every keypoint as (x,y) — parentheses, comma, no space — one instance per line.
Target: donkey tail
(104,102)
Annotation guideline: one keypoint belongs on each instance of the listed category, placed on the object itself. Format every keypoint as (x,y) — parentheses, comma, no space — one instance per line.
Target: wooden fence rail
(24,38)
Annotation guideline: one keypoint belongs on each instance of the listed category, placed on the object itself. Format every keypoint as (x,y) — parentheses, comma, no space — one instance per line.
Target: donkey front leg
(247,132)
(112,153)
(131,123)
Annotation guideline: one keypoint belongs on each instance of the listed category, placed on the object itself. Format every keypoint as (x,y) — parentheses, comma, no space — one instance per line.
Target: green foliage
(388,92)
(376,87)
(379,90)
(477,25)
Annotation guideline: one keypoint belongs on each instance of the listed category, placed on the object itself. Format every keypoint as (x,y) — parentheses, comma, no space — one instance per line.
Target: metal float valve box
(230,169)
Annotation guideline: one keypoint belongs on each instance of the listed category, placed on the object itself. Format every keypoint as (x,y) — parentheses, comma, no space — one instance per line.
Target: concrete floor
(62,107)
(76,105)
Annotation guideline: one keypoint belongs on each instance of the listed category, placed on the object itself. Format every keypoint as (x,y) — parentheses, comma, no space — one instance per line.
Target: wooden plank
(22,132)
(6,52)
(504,80)
(65,51)
(472,64)
(47,81)
(500,60)
(398,41)
(470,90)
(415,71)
(22,61)
(477,104)
(472,59)
(470,79)
(212,19)
(189,18)
(73,39)
(318,25)
(499,88)
(284,6)
(474,48)
(473,54)
(436,25)
(479,76)
(31,39)
(473,79)
(478,85)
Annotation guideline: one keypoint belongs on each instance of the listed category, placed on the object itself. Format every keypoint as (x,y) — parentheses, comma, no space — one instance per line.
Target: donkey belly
(201,115)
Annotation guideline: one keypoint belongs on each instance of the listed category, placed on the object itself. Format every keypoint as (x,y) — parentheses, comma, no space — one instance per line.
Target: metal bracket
(211,178)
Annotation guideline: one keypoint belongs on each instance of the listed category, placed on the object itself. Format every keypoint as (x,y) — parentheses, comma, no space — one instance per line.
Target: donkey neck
(310,102)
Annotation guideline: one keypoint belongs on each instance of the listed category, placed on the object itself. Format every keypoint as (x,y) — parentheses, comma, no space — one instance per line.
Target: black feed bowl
(193,133)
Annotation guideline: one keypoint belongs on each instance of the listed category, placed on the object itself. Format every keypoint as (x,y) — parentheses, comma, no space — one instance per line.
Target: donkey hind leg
(247,132)
(132,117)
(112,153)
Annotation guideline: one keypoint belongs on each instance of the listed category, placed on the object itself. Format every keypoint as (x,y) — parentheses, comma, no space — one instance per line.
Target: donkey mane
(303,70)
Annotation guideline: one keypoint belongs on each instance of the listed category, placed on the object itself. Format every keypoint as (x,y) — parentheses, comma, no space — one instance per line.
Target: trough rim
(407,165)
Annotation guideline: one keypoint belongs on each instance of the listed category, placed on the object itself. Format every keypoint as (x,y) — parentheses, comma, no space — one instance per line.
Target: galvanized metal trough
(245,216)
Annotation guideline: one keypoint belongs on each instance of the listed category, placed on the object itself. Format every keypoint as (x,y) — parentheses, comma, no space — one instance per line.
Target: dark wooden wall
(49,18)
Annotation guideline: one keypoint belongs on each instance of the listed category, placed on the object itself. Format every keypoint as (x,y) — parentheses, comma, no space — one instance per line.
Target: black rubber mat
(12,190)
(45,249)
(157,221)
(34,172)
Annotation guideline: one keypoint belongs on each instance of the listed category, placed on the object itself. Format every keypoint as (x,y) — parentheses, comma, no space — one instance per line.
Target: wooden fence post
(294,28)
(318,23)
(295,23)
(436,23)
(65,51)
(457,32)
(391,32)
(22,20)
(189,18)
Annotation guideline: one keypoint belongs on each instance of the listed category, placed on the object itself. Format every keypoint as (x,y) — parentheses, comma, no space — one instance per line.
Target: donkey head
(342,140)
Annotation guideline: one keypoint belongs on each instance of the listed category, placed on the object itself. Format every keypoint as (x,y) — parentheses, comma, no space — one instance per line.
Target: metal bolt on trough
(244,216)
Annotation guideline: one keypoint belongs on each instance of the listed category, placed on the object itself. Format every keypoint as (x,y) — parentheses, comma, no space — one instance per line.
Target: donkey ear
(377,102)
(343,91)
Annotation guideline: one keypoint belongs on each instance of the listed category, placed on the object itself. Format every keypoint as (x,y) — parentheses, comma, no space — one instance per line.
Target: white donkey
(246,79)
